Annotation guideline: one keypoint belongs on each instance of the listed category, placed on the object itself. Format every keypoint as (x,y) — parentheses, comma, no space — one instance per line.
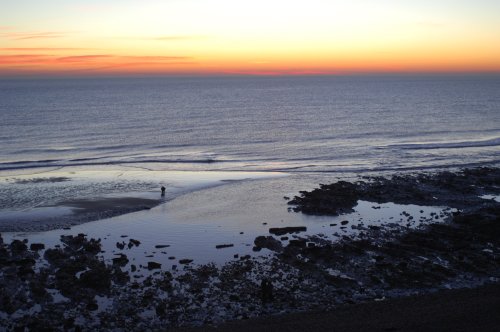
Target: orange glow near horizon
(259,38)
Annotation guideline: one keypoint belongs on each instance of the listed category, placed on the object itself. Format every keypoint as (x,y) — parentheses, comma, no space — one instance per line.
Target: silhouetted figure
(162,191)
(266,288)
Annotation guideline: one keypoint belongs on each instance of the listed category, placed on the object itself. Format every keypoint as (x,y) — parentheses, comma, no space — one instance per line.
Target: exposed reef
(71,287)
(461,190)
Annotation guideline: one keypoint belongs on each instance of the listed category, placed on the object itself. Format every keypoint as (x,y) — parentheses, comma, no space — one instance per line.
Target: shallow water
(32,196)
(193,224)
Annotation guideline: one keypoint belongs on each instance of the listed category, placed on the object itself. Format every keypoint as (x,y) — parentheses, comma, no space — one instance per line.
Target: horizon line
(242,74)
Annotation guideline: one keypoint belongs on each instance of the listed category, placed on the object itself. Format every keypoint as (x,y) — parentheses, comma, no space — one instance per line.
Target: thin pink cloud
(43,49)
(155,57)
(33,35)
(84,58)
(128,58)
(24,58)
(92,62)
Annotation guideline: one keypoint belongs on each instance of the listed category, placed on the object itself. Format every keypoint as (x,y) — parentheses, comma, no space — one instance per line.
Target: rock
(268,242)
(122,260)
(332,199)
(120,245)
(18,247)
(154,265)
(160,246)
(120,277)
(236,256)
(92,306)
(171,257)
(134,242)
(287,230)
(37,246)
(133,268)
(221,246)
(184,261)
(299,243)
(161,309)
(97,278)
(284,238)
(55,256)
(344,222)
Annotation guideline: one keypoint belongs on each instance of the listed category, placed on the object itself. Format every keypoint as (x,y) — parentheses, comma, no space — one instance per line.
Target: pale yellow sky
(259,37)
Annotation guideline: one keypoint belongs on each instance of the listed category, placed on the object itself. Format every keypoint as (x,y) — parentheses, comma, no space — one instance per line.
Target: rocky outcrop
(268,242)
(460,190)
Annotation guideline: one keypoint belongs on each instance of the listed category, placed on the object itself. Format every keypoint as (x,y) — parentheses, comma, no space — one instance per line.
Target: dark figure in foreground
(266,288)
(162,191)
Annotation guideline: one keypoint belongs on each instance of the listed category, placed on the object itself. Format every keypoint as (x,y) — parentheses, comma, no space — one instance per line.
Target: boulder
(121,260)
(287,230)
(97,278)
(37,246)
(18,247)
(268,242)
(154,265)
(221,246)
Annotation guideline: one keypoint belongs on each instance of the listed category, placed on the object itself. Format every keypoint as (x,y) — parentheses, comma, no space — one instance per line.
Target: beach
(303,195)
(457,310)
(198,257)
(225,165)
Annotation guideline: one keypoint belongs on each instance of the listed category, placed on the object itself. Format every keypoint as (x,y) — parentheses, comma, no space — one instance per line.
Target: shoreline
(64,198)
(309,270)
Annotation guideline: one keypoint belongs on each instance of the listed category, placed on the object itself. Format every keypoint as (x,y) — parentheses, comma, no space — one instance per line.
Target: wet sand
(450,310)
(83,206)
(72,212)
(62,198)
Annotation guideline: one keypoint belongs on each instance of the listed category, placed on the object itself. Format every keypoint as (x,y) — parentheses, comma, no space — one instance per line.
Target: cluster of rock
(458,190)
(70,287)
(72,272)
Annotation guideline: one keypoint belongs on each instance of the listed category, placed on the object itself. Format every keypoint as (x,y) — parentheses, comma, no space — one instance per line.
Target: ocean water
(291,124)
(228,150)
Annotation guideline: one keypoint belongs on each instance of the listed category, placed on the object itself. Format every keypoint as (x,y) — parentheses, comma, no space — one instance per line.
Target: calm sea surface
(295,124)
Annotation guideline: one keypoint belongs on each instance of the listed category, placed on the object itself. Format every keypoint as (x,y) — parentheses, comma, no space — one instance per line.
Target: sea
(288,124)
(230,151)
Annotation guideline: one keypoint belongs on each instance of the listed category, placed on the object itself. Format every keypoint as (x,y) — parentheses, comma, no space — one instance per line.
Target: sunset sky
(108,37)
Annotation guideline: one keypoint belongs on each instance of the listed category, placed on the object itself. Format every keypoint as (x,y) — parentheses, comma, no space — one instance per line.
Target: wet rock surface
(71,287)
(287,230)
(457,190)
(268,242)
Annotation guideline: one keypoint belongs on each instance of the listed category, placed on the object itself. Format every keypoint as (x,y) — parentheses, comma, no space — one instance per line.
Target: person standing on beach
(162,191)
(266,288)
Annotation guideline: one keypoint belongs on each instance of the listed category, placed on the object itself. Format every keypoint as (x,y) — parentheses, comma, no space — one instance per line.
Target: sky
(258,37)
